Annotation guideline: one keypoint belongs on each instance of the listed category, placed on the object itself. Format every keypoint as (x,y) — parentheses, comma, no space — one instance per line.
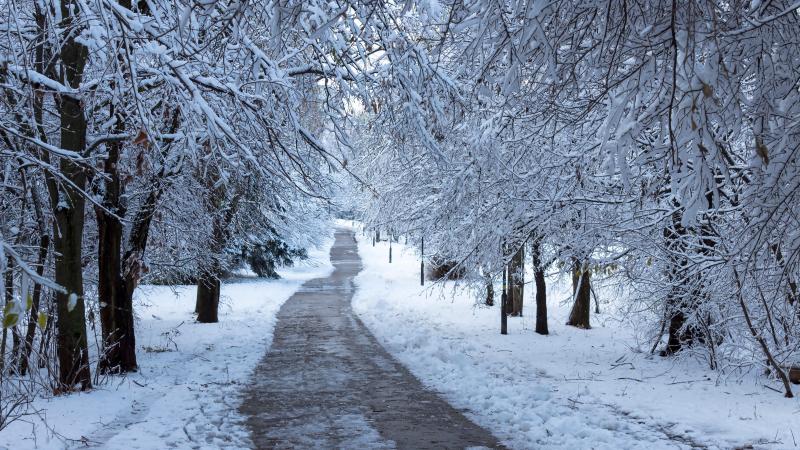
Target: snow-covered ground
(186,394)
(572,389)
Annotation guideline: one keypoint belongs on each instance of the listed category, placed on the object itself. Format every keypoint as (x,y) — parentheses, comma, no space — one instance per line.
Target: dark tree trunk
(684,292)
(9,275)
(119,277)
(541,287)
(9,291)
(675,337)
(115,296)
(16,344)
(489,291)
(109,282)
(208,290)
(516,281)
(116,303)
(675,301)
(208,283)
(68,209)
(133,257)
(30,333)
(116,300)
(128,278)
(44,247)
(73,356)
(44,340)
(581,290)
(42,52)
(8,295)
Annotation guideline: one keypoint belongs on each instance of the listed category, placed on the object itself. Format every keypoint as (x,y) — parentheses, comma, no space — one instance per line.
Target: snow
(572,389)
(347,429)
(186,392)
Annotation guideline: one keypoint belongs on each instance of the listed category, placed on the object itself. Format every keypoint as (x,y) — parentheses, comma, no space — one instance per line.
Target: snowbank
(187,392)
(572,389)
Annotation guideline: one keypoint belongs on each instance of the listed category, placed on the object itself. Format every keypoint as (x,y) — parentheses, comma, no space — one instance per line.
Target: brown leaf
(142,139)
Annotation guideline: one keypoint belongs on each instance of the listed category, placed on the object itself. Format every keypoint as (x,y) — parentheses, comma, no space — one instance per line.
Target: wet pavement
(327,383)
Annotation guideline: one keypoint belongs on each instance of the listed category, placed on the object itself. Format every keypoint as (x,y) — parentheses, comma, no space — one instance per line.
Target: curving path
(327,383)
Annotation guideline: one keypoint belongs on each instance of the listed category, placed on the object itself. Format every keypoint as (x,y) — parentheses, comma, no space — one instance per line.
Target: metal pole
(503,300)
(422,263)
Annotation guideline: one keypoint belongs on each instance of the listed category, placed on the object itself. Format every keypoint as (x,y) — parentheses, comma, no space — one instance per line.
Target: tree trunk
(681,296)
(8,295)
(116,302)
(489,291)
(129,276)
(516,281)
(30,334)
(44,247)
(208,283)
(581,291)
(68,208)
(129,266)
(541,287)
(44,341)
(73,356)
(675,337)
(119,276)
(108,281)
(16,344)
(207,306)
(675,245)
(3,350)
(116,283)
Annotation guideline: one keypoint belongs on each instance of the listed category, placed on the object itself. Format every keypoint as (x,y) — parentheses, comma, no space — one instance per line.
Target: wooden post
(390,249)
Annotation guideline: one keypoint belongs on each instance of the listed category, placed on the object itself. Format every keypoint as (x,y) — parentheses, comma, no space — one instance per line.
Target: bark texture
(581,291)
(541,287)
(489,291)
(30,332)
(516,281)
(116,303)
(208,283)
(68,208)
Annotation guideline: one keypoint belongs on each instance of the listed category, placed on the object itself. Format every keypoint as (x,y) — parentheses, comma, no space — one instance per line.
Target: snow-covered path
(327,383)
(187,391)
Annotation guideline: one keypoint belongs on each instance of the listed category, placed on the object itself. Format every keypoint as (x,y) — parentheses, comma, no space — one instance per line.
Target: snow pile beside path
(572,389)
(186,394)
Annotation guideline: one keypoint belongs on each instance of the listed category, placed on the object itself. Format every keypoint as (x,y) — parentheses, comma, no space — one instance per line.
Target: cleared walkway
(327,383)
